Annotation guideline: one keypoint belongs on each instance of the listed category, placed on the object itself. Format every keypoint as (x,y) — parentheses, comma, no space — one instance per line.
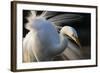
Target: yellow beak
(71,33)
(75,39)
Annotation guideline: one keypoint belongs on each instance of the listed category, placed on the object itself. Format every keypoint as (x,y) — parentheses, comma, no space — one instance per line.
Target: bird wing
(65,18)
(48,14)
(72,52)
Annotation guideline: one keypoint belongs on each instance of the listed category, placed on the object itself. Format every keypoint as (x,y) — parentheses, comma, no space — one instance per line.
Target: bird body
(43,41)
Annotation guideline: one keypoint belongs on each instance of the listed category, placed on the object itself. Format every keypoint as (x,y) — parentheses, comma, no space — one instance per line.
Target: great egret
(43,42)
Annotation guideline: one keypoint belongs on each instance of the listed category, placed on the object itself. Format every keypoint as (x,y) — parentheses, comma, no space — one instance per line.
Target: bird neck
(62,45)
(63,40)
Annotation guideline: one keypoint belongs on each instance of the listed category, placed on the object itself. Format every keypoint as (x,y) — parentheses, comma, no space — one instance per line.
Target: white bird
(43,42)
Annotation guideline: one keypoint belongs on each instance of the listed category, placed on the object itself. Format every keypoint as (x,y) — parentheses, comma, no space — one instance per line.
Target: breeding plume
(43,42)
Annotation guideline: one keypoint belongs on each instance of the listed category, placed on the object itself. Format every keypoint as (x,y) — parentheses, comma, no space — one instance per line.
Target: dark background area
(82,26)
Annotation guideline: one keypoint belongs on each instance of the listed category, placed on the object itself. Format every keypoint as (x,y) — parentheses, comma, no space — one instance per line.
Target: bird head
(71,34)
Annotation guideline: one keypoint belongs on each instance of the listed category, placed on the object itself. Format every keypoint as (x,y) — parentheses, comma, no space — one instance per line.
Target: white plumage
(43,42)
